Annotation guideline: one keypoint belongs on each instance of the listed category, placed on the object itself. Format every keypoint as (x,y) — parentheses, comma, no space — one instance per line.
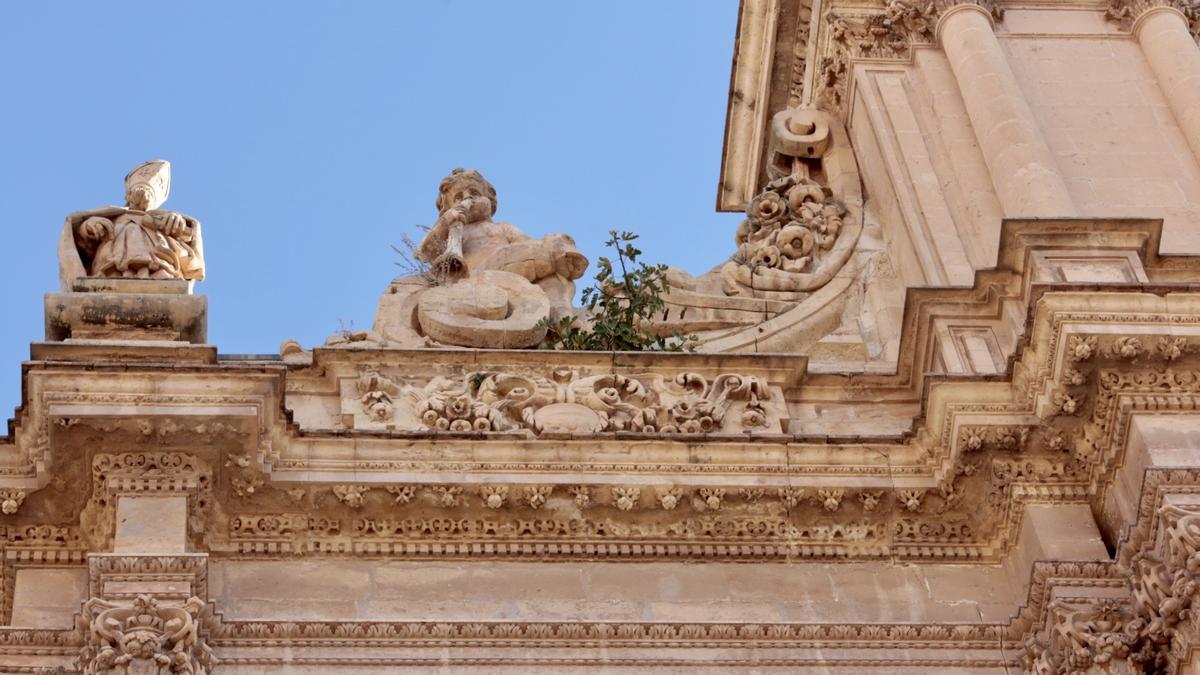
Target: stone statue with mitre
(138,240)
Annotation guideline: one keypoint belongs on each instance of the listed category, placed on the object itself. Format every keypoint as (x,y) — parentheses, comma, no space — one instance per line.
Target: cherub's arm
(513,235)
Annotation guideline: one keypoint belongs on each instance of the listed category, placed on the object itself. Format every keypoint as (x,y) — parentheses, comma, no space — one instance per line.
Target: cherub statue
(465,238)
(138,240)
(488,282)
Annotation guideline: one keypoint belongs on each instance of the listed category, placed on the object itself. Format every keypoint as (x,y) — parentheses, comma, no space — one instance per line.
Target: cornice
(953,487)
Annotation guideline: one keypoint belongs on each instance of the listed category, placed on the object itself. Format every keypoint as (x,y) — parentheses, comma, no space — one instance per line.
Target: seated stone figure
(135,241)
(488,284)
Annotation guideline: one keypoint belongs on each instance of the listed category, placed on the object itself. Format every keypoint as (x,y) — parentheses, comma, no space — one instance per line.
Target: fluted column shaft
(1174,58)
(1026,178)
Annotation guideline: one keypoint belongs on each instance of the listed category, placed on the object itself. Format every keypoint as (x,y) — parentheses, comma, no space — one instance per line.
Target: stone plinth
(127,309)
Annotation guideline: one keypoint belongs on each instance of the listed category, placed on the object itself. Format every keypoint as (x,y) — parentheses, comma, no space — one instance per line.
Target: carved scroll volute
(787,284)
(623,403)
(801,229)
(796,133)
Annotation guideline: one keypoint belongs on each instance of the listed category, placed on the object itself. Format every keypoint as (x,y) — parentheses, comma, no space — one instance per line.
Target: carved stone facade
(943,415)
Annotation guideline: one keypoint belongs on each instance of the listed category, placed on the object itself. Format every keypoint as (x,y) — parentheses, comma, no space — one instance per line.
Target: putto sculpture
(487,284)
(138,240)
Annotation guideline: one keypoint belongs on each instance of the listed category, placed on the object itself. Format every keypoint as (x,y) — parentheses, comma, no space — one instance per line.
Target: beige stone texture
(48,597)
(149,525)
(943,417)
(1028,181)
(1107,119)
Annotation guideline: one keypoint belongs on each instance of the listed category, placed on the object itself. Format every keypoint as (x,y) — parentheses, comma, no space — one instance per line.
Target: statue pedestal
(127,309)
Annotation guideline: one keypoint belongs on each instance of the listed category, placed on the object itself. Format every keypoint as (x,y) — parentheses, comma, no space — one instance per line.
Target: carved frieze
(568,401)
(886,35)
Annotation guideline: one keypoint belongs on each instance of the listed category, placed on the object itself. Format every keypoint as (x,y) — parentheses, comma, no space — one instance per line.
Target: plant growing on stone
(409,263)
(621,303)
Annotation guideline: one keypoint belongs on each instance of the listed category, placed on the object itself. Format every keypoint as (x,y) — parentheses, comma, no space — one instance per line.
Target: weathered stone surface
(138,240)
(932,439)
(485,284)
(116,313)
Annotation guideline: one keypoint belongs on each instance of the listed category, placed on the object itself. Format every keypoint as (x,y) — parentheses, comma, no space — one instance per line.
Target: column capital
(947,8)
(1132,14)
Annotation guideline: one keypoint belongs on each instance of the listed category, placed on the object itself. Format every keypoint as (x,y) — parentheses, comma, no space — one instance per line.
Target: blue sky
(309,137)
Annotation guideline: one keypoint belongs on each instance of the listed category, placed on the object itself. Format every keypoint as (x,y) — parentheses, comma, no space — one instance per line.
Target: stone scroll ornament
(687,403)
(488,285)
(791,269)
(790,241)
(138,240)
(145,638)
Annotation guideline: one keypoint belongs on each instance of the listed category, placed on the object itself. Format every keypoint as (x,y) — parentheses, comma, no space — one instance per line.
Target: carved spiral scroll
(490,309)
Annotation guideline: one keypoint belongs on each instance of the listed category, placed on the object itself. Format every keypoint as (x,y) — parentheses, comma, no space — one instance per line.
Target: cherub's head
(147,186)
(467,189)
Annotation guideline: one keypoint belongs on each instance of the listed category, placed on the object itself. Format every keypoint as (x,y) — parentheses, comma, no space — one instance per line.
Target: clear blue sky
(308,137)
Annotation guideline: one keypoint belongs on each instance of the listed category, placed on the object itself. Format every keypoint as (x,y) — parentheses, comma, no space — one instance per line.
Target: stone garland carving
(11,500)
(711,498)
(759,530)
(719,517)
(146,637)
(377,395)
(1043,463)
(999,437)
(353,496)
(886,35)
(493,495)
(688,403)
(798,231)
(668,498)
(831,498)
(137,240)
(790,229)
(1125,12)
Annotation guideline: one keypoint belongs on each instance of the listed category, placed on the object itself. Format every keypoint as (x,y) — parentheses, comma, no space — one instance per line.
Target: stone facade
(943,414)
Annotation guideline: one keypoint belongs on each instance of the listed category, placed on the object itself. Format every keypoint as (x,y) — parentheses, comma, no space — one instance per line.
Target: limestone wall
(1097,103)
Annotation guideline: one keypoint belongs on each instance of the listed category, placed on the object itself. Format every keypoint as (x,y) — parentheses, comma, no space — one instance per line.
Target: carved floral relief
(568,401)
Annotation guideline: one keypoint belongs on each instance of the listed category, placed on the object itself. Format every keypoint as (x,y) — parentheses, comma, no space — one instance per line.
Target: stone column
(1026,179)
(1172,54)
